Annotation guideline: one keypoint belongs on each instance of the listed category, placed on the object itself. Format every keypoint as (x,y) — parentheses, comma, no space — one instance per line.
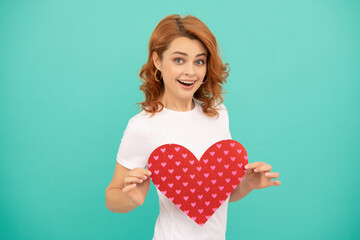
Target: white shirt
(197,132)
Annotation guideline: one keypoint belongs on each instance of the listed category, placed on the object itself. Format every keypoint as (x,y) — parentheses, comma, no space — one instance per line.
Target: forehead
(192,47)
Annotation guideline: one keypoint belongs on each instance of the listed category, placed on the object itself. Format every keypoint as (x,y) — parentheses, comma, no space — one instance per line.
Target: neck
(179,105)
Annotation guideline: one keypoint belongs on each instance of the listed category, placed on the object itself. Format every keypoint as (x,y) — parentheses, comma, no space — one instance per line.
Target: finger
(272,174)
(128,188)
(275,183)
(138,174)
(252,165)
(143,171)
(249,171)
(263,168)
(130,180)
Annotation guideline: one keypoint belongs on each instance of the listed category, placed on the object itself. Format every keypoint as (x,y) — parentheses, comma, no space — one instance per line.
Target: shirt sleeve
(135,148)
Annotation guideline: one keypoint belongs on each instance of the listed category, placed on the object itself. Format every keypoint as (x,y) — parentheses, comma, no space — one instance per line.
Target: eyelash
(175,60)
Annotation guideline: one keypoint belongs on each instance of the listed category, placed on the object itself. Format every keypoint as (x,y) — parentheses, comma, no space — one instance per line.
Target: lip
(188,80)
(187,87)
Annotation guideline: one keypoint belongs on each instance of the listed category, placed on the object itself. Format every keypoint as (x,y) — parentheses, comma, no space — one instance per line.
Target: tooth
(186,82)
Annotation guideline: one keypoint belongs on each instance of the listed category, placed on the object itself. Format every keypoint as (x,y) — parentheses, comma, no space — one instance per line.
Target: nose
(189,69)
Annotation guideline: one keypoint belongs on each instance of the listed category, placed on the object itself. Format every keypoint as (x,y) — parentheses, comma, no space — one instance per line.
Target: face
(183,61)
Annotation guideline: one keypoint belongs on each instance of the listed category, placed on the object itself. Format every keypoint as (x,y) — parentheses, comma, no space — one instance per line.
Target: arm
(127,190)
(239,192)
(257,175)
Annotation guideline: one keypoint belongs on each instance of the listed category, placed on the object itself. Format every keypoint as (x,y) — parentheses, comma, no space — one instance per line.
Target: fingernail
(267,174)
(246,167)
(141,180)
(255,170)
(148,173)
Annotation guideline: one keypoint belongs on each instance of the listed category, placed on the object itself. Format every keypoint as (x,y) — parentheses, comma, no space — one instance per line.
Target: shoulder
(222,107)
(222,110)
(135,144)
(141,118)
(219,106)
(136,126)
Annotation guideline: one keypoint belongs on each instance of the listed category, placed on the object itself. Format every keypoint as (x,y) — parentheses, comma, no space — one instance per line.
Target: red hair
(165,32)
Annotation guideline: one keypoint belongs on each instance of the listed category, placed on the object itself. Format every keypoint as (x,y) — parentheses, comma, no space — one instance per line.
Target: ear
(156,60)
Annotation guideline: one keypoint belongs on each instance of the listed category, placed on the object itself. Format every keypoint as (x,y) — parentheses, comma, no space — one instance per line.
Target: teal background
(68,86)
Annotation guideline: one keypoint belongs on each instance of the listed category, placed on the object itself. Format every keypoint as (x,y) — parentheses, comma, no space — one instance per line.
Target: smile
(186,83)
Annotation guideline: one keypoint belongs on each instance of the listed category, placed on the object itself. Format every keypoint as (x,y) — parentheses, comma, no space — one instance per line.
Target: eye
(178,60)
(200,62)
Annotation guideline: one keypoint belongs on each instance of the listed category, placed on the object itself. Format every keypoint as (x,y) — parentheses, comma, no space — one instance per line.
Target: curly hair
(165,32)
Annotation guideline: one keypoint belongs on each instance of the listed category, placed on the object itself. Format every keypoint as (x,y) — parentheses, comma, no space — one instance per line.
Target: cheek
(171,72)
(176,71)
(203,72)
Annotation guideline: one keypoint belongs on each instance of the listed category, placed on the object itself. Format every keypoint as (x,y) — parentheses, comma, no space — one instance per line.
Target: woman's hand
(136,185)
(258,176)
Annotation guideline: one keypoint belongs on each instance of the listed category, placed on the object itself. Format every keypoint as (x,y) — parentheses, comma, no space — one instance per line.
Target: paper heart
(198,188)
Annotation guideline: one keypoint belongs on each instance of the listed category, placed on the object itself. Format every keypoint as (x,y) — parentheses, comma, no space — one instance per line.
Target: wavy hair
(165,32)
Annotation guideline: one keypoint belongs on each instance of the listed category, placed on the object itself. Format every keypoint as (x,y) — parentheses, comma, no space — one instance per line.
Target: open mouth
(185,83)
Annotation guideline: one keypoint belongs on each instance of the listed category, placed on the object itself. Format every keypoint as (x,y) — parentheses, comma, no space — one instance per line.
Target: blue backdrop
(68,86)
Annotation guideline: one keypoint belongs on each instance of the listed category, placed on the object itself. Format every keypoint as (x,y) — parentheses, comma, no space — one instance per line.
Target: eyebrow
(182,53)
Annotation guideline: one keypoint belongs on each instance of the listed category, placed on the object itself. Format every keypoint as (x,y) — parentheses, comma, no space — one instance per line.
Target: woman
(182,85)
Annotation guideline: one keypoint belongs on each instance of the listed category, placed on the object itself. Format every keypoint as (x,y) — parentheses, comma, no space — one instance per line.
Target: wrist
(245,187)
(240,191)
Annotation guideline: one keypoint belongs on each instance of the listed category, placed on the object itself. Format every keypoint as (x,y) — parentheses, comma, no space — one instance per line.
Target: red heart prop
(198,188)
